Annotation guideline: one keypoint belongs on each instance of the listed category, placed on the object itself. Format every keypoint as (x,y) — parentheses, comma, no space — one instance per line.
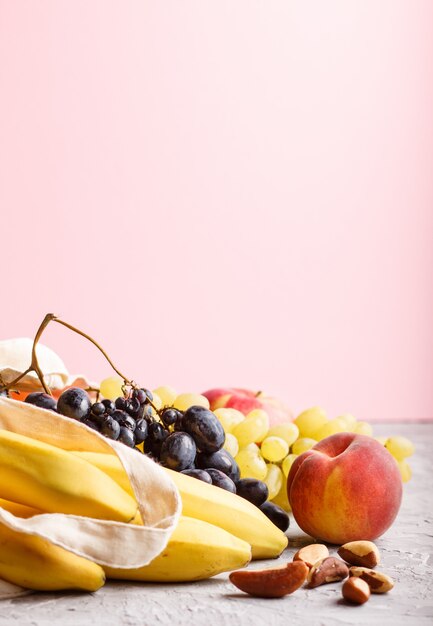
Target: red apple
(245,401)
(347,487)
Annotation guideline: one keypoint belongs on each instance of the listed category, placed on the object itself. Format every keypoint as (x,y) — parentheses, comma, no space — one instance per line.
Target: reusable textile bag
(110,543)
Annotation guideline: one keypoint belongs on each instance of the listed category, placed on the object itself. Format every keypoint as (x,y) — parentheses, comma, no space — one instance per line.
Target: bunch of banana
(39,478)
(210,504)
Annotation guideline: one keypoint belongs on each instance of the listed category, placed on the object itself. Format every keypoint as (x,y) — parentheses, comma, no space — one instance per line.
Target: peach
(346,488)
(245,401)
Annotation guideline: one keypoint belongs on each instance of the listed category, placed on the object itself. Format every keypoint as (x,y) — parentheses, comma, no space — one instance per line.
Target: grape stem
(34,364)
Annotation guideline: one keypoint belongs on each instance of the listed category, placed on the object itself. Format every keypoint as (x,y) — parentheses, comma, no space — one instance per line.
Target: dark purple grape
(178,451)
(118,415)
(98,408)
(149,395)
(90,423)
(110,407)
(221,460)
(170,416)
(124,419)
(157,433)
(276,514)
(141,395)
(120,403)
(219,479)
(199,474)
(74,403)
(152,449)
(204,427)
(178,423)
(110,428)
(126,436)
(132,406)
(43,400)
(256,491)
(141,428)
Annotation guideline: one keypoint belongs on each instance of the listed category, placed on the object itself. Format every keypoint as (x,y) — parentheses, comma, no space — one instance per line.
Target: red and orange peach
(347,487)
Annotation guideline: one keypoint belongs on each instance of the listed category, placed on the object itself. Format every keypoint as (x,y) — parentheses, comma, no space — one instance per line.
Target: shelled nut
(377,581)
(274,582)
(355,590)
(327,570)
(312,553)
(364,553)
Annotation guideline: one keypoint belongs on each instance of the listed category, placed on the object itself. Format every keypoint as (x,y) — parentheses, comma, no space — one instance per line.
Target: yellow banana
(210,504)
(35,563)
(196,550)
(109,464)
(19,510)
(43,476)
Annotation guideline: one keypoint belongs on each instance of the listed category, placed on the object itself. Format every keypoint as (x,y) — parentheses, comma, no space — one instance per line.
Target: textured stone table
(407,556)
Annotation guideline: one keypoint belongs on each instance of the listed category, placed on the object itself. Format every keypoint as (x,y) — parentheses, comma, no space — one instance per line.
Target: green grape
(185,400)
(167,394)
(252,429)
(349,420)
(363,428)
(332,427)
(400,447)
(273,479)
(274,449)
(111,388)
(281,499)
(288,431)
(287,463)
(229,418)
(405,470)
(310,421)
(251,463)
(303,444)
(231,444)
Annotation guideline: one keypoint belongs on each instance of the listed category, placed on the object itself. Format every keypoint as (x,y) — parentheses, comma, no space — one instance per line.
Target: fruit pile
(230,461)
(241,453)
(184,436)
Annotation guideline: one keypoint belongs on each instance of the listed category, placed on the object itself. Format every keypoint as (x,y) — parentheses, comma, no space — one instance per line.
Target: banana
(19,510)
(109,464)
(35,563)
(43,476)
(196,550)
(210,504)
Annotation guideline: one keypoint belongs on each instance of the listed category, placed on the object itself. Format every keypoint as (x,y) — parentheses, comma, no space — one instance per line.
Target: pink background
(225,193)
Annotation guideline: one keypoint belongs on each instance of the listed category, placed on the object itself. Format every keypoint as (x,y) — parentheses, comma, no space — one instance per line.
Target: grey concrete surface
(407,556)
